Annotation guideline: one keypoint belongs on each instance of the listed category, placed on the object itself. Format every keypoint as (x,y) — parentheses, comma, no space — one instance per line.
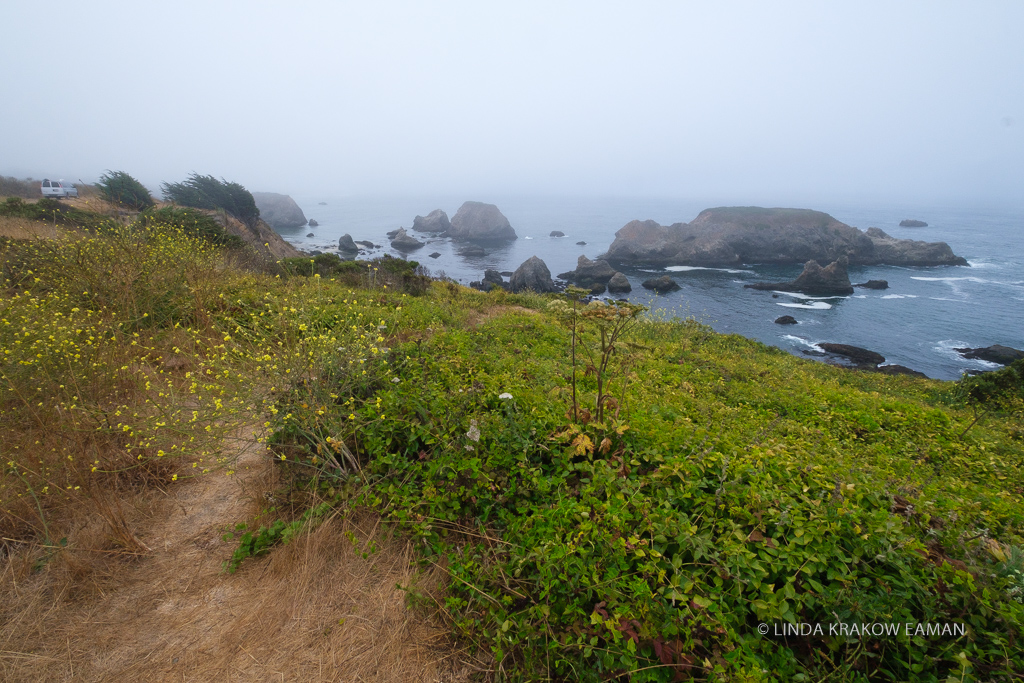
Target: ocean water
(917,322)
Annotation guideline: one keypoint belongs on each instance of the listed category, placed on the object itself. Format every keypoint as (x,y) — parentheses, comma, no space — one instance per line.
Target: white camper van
(58,188)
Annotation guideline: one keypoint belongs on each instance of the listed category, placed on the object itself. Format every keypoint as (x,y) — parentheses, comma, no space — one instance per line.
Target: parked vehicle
(58,188)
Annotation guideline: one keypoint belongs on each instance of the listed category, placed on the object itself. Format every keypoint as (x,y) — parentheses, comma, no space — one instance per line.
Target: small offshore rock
(346,244)
(874,284)
(473,251)
(313,223)
(619,284)
(588,273)
(899,370)
(436,254)
(831,280)
(368,244)
(323,203)
(581,243)
(403,241)
(532,275)
(434,222)
(392,233)
(861,357)
(557,233)
(661,285)
(785,320)
(997,353)
(494,277)
(309,234)
(911,223)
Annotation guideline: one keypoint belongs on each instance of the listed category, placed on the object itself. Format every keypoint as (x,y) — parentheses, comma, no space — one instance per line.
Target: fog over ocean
(917,322)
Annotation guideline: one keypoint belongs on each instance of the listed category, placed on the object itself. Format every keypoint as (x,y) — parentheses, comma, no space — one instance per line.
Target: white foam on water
(527,238)
(978,263)
(943,298)
(798,295)
(860,296)
(815,305)
(946,348)
(949,279)
(899,296)
(684,269)
(801,341)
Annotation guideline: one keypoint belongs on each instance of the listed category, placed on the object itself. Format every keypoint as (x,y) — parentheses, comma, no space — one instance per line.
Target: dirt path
(314,610)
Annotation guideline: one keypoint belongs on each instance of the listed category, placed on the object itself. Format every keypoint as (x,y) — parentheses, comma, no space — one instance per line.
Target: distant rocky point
(279,210)
(479,222)
(911,223)
(733,236)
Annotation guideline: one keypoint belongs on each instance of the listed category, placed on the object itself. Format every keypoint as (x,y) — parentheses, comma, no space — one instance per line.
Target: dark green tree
(120,188)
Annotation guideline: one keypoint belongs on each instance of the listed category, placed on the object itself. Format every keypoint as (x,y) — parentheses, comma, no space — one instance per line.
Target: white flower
(504,397)
(395,380)
(474,431)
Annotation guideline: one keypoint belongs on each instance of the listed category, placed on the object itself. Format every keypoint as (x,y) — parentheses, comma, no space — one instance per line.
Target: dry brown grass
(23,228)
(314,610)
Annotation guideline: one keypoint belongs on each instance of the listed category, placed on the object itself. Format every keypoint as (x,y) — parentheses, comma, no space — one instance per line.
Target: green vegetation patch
(52,211)
(708,488)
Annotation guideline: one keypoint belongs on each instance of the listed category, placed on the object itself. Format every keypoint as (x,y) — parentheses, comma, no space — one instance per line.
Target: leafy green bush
(120,188)
(206,192)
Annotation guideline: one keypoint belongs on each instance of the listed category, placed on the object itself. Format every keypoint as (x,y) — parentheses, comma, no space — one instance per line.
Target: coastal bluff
(731,236)
(279,210)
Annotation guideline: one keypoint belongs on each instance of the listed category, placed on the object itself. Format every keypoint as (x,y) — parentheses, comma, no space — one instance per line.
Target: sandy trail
(314,610)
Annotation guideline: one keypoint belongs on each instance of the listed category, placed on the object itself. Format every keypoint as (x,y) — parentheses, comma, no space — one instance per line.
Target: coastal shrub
(206,192)
(52,211)
(383,272)
(15,187)
(192,223)
(120,188)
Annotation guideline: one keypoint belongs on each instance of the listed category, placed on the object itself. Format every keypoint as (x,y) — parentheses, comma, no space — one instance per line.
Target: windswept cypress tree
(206,192)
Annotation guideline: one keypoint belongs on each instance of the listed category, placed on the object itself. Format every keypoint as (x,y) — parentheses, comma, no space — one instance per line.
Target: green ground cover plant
(613,496)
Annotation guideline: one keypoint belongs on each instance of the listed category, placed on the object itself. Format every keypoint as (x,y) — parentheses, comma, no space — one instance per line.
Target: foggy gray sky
(739,102)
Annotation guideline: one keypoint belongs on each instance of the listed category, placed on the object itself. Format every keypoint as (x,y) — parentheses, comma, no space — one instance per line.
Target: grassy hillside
(609,494)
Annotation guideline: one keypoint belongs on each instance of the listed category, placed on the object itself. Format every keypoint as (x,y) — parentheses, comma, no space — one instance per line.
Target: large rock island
(479,222)
(279,210)
(748,234)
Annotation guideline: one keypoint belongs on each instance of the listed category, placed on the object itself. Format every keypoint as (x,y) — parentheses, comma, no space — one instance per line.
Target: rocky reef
(732,236)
